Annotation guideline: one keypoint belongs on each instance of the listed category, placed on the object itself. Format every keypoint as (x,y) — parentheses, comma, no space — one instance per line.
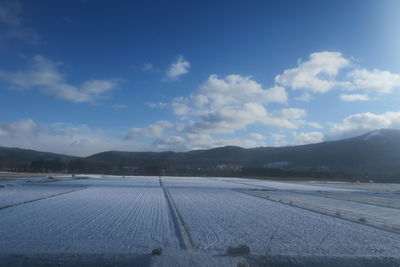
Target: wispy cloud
(15,26)
(159,105)
(119,106)
(45,75)
(148,67)
(153,130)
(354,97)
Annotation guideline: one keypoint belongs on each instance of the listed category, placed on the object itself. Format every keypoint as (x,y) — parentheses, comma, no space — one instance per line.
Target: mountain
(12,154)
(374,155)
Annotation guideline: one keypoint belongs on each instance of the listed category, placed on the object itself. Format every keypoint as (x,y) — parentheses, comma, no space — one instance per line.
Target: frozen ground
(381,211)
(103,220)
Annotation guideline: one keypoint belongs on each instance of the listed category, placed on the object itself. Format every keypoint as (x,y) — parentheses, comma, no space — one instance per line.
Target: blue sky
(80,77)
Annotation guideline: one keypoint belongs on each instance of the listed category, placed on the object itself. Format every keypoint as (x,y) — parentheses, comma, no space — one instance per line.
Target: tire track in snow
(181,230)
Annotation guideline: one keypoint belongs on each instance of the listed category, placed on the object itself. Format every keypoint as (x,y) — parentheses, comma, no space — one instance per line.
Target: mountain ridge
(375,153)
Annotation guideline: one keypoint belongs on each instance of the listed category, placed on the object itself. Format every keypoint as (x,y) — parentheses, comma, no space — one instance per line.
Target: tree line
(100,167)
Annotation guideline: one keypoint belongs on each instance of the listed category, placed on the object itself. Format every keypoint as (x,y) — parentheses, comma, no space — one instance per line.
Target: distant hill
(12,154)
(374,155)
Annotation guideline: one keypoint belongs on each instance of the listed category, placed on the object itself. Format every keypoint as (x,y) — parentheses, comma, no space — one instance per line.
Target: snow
(91,220)
(373,187)
(372,134)
(381,211)
(220,219)
(206,182)
(13,194)
(194,220)
(283,185)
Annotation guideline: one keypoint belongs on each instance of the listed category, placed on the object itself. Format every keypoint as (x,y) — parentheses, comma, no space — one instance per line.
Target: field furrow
(217,219)
(93,220)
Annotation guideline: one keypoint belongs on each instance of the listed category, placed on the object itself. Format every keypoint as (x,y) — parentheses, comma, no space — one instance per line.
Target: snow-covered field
(194,221)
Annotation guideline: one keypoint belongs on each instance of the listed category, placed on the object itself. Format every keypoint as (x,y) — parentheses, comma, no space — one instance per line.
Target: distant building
(233,167)
(277,164)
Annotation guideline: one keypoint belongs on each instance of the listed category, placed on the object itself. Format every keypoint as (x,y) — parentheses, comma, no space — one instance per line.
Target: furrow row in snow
(217,219)
(100,220)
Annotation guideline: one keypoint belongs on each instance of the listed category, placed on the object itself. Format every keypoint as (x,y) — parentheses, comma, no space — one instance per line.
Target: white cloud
(291,113)
(360,123)
(257,136)
(290,118)
(317,74)
(159,105)
(236,89)
(278,139)
(177,69)
(242,142)
(22,128)
(281,122)
(148,67)
(194,141)
(153,130)
(315,125)
(10,13)
(225,105)
(306,97)
(11,16)
(233,90)
(304,138)
(229,119)
(377,81)
(44,75)
(62,138)
(354,97)
(119,106)
(180,106)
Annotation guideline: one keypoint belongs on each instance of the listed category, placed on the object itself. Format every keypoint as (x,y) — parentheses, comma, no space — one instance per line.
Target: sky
(80,77)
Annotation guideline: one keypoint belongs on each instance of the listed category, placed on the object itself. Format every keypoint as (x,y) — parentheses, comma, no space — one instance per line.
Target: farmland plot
(381,199)
(284,185)
(204,182)
(117,181)
(217,219)
(17,193)
(375,187)
(93,220)
(356,206)
(193,220)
